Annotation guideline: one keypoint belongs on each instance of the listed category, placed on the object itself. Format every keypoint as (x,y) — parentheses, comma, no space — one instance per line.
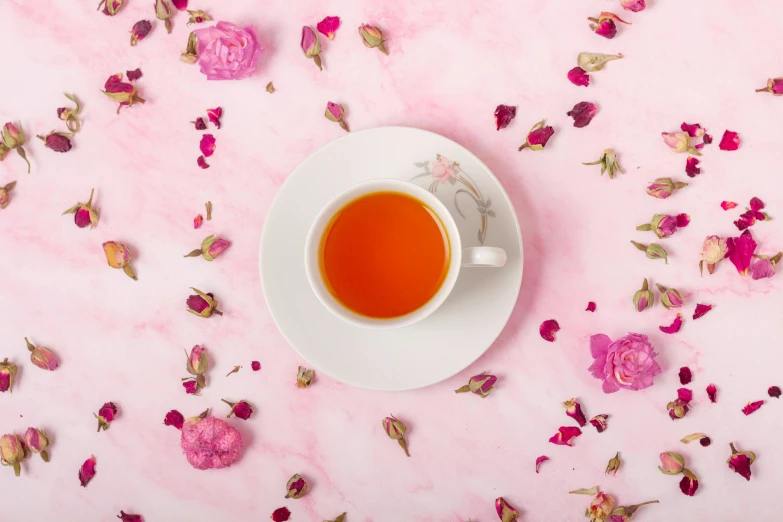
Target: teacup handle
(484,256)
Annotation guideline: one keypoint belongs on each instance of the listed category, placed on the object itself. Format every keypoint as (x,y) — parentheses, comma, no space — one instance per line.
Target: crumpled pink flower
(548,329)
(564,435)
(583,113)
(729,141)
(750,216)
(227,52)
(579,76)
(740,251)
(210,443)
(443,170)
(628,363)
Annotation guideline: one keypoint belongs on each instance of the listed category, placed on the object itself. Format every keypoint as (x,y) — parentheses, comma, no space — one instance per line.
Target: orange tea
(384,255)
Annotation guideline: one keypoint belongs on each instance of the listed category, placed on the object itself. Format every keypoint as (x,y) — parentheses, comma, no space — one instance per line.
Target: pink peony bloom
(740,251)
(729,141)
(579,76)
(762,269)
(628,362)
(540,460)
(634,5)
(227,52)
(328,26)
(211,443)
(583,113)
(443,170)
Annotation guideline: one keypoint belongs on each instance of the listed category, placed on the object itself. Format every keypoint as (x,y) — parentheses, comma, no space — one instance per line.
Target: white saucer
(441,345)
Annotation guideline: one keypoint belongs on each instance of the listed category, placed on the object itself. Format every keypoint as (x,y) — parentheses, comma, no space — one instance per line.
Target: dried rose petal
(752,407)
(705,441)
(255,365)
(87,471)
(694,130)
(590,307)
(505,511)
(281,514)
(197,221)
(740,462)
(133,75)
(635,6)
(548,329)
(174,418)
(729,141)
(692,167)
(207,145)
(328,26)
(111,7)
(774,392)
(701,309)
(599,421)
(214,117)
(574,410)
(200,124)
(127,517)
(202,162)
(712,392)
(583,113)
(674,327)
(579,76)
(503,115)
(592,62)
(564,435)
(539,460)
(686,375)
(740,251)
(689,483)
(685,395)
(727,205)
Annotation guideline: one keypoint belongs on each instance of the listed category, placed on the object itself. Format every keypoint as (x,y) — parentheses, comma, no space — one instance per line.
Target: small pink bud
(37,442)
(671,463)
(106,415)
(304,377)
(7,375)
(712,392)
(197,221)
(5,193)
(211,248)
(200,124)
(599,421)
(480,385)
(395,429)
(164,12)
(118,256)
(334,112)
(13,450)
(774,87)
(84,214)
(57,141)
(241,409)
(310,45)
(255,365)
(296,487)
(740,461)
(662,188)
(42,357)
(372,37)
(111,7)
(140,31)
(87,471)
(644,298)
(679,142)
(538,136)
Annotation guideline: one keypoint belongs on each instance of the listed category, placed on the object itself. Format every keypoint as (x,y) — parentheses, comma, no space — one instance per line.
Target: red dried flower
(503,115)
(214,117)
(540,460)
(599,421)
(605,24)
(506,512)
(207,145)
(729,141)
(191,386)
(202,162)
(590,307)
(197,221)
(57,141)
(133,75)
(281,514)
(685,375)
(701,309)
(685,395)
(774,392)
(574,410)
(125,94)
(200,124)
(774,86)
(255,365)
(480,385)
(674,327)
(296,487)
(583,113)
(111,7)
(579,76)
(740,251)
(692,167)
(727,205)
(538,136)
(127,517)
(87,471)
(174,418)
(635,6)
(201,304)
(712,393)
(705,441)
(548,329)
(689,483)
(752,407)
(106,415)
(740,462)
(328,26)
(241,409)
(564,435)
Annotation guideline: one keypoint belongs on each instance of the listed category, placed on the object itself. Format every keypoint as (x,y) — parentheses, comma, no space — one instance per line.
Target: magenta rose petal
(689,483)
(207,145)
(328,26)
(202,162)
(564,435)
(214,116)
(579,77)
(87,471)
(740,251)
(752,407)
(634,6)
(503,115)
(281,515)
(583,113)
(774,392)
(729,141)
(712,392)
(590,307)
(539,460)
(740,461)
(599,421)
(685,395)
(548,329)
(762,269)
(174,418)
(255,365)
(674,327)
(728,205)
(686,376)
(133,75)
(227,52)
(701,309)
(692,167)
(574,410)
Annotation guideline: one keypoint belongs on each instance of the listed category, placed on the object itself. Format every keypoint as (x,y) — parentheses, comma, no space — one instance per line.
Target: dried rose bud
(42,357)
(270,88)
(83,213)
(127,517)
(201,304)
(296,487)
(614,465)
(664,225)
(689,483)
(713,251)
(334,112)
(87,471)
(280,515)
(600,507)
(5,194)
(70,116)
(605,24)
(372,37)
(599,421)
(174,418)
(670,297)
(635,6)
(592,62)
(395,429)
(579,76)
(197,221)
(190,56)
(671,463)
(310,45)
(328,26)
(643,298)
(574,410)
(37,442)
(140,31)
(538,136)
(540,460)
(608,162)
(13,451)
(207,145)
(752,407)
(198,17)
(197,362)
(503,115)
(652,251)
(241,409)
(211,247)
(118,256)
(740,251)
(13,138)
(480,384)
(662,188)
(548,329)
(214,116)
(774,392)
(125,94)
(740,462)
(111,7)
(677,409)
(583,113)
(106,415)
(201,162)
(679,142)
(304,377)
(625,513)
(255,365)
(57,141)
(506,511)
(729,141)
(7,375)
(163,12)
(564,435)
(712,392)
(774,86)
(686,376)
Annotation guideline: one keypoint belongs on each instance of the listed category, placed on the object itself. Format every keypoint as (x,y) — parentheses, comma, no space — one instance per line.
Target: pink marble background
(450,64)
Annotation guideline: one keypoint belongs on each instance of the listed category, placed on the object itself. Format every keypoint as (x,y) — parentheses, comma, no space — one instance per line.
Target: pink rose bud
(125,94)
(255,365)
(190,56)
(652,251)
(197,221)
(118,256)
(328,26)
(713,251)
(214,116)
(164,12)
(84,214)
(635,6)
(13,138)
(664,225)
(670,297)
(70,116)
(5,194)
(505,511)
(574,410)
(310,45)
(57,141)
(140,31)
(538,136)
(740,462)
(480,384)
(774,392)
(296,487)
(127,517)
(599,421)
(644,298)
(37,442)
(679,142)
(774,86)
(111,7)
(583,113)
(174,418)
(579,76)
(106,415)
(42,357)
(334,112)
(241,409)
(564,435)
(201,304)
(13,451)
(605,24)
(395,429)
(372,37)
(304,377)
(87,471)
(197,362)
(671,463)
(211,248)
(662,188)
(7,375)
(503,115)
(689,483)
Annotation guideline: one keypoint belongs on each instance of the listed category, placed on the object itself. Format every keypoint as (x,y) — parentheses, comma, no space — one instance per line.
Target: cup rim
(324,216)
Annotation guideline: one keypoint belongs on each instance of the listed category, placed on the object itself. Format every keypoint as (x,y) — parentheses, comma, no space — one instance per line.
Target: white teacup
(469,257)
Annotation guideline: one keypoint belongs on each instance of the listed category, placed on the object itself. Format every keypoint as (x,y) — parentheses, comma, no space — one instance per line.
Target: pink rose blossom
(729,141)
(211,443)
(227,52)
(579,76)
(628,362)
(443,170)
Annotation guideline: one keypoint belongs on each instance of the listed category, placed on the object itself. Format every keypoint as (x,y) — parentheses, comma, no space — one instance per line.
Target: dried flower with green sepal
(608,162)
